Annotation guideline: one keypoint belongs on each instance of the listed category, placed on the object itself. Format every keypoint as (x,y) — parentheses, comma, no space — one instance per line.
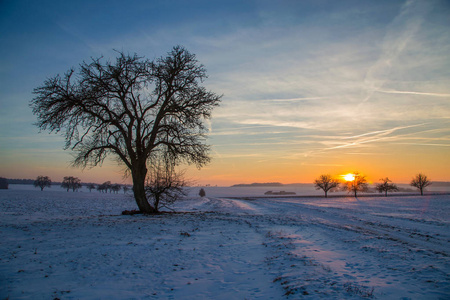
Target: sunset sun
(349,177)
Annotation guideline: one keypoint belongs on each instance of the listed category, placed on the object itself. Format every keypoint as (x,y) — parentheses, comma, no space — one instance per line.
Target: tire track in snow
(360,249)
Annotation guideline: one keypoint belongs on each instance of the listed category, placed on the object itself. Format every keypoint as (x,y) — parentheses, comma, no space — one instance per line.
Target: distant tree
(108,186)
(90,186)
(326,183)
(130,109)
(202,193)
(125,189)
(358,184)
(116,188)
(70,182)
(386,186)
(164,185)
(420,181)
(101,188)
(104,187)
(3,183)
(43,182)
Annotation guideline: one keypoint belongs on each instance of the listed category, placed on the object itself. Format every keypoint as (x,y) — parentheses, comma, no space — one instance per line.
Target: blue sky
(309,87)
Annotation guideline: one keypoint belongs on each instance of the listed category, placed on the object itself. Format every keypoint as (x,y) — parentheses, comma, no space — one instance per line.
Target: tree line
(359,183)
(74,184)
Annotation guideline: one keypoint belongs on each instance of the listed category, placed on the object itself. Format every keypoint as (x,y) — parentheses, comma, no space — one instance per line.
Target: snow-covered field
(63,245)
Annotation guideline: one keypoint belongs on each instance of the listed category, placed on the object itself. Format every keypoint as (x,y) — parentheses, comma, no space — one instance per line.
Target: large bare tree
(130,108)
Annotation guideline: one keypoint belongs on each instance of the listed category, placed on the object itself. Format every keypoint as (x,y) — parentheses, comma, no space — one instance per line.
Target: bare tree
(164,185)
(326,183)
(420,181)
(90,186)
(43,182)
(116,188)
(108,186)
(70,182)
(386,186)
(130,108)
(3,183)
(102,188)
(125,189)
(358,184)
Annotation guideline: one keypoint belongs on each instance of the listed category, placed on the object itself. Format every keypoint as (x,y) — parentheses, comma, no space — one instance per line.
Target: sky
(309,87)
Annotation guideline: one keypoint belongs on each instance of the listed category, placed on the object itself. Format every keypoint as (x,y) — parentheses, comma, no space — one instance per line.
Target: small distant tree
(116,188)
(125,189)
(326,183)
(101,188)
(358,184)
(386,186)
(90,186)
(420,181)
(3,183)
(43,182)
(104,187)
(70,182)
(108,186)
(202,193)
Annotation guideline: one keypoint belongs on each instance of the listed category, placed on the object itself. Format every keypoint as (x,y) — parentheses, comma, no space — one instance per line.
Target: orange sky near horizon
(228,171)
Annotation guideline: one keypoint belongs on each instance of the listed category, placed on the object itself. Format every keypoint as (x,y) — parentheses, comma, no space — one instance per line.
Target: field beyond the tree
(57,244)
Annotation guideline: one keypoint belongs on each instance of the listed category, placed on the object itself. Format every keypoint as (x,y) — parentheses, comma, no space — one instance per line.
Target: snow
(66,245)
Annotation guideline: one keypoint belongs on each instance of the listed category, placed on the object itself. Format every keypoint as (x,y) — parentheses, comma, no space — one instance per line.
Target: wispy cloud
(383,132)
(414,93)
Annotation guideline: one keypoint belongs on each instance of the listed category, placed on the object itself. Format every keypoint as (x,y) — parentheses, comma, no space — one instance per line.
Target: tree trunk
(326,194)
(139,190)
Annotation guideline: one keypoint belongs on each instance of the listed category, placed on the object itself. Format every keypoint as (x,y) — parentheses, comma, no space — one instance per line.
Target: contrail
(413,93)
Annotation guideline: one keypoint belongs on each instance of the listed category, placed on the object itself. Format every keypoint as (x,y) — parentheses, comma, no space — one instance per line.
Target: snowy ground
(63,245)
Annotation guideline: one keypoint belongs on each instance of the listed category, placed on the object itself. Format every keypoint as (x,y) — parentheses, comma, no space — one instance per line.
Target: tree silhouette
(131,109)
(386,186)
(43,182)
(326,183)
(102,188)
(70,182)
(116,188)
(202,193)
(3,183)
(164,185)
(358,184)
(90,186)
(125,189)
(420,181)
